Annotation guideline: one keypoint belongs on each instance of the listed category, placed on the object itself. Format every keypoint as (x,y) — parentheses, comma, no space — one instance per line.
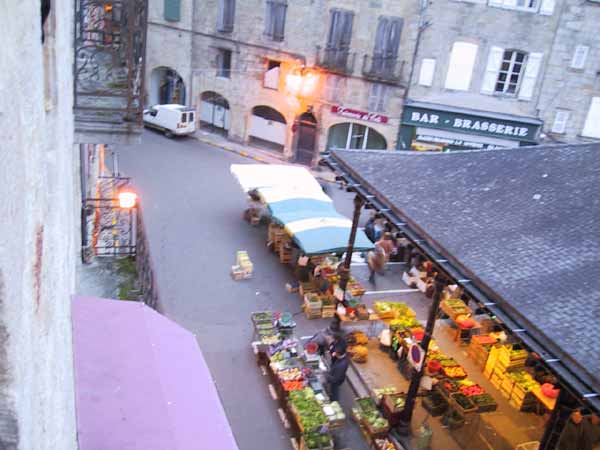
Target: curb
(250,156)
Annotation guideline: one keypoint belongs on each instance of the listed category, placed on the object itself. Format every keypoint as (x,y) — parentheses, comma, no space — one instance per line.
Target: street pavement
(192,208)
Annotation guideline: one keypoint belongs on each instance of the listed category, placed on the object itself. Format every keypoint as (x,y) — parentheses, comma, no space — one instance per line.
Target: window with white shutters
(490,77)
(426,72)
(460,67)
(579,57)
(226,15)
(547,7)
(511,70)
(532,69)
(378,97)
(561,118)
(591,128)
(275,19)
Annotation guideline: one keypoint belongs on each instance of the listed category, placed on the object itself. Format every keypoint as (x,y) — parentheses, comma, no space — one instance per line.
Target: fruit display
(393,310)
(463,401)
(291,374)
(470,391)
(456,307)
(454,372)
(308,410)
(359,353)
(334,412)
(384,444)
(484,402)
(524,380)
(289,386)
(366,411)
(357,338)
(380,392)
(270,339)
(394,402)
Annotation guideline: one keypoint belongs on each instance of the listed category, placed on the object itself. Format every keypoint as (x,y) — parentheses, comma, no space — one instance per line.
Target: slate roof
(523,222)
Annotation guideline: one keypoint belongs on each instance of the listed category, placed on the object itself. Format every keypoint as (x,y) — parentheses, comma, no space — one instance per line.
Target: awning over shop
(285,177)
(142,382)
(317,236)
(517,227)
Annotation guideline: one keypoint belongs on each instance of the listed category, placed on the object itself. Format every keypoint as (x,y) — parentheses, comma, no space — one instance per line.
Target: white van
(174,120)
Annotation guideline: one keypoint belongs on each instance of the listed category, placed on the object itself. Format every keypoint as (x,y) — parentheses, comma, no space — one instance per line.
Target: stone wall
(39,228)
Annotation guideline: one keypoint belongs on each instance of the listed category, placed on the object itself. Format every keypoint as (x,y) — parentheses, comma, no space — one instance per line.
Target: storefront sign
(467,123)
(454,142)
(359,115)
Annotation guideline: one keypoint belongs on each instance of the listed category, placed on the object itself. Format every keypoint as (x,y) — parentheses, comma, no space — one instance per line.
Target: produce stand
(294,374)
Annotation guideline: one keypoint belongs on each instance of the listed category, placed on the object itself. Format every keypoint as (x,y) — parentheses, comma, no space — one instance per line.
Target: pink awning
(142,382)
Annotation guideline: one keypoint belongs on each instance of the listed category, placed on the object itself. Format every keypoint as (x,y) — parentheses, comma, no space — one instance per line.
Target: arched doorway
(214,112)
(268,128)
(355,136)
(166,87)
(307,138)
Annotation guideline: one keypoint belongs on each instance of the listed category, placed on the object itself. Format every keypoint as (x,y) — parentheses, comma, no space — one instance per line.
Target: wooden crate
(304,447)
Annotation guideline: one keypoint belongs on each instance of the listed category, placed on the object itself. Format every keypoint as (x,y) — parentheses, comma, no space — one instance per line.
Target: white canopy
(289,178)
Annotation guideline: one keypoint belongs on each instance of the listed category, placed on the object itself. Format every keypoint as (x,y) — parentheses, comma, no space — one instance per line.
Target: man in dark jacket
(577,434)
(337,372)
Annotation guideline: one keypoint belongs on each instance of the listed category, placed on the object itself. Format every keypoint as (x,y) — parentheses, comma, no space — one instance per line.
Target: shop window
(378,97)
(427,71)
(561,118)
(271,78)
(173,10)
(460,67)
(355,136)
(591,127)
(510,72)
(275,19)
(224,63)
(579,57)
(226,16)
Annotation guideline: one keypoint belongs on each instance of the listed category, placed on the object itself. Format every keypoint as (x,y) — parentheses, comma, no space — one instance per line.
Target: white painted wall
(38,207)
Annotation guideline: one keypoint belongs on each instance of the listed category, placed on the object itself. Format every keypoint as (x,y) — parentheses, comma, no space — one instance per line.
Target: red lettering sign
(359,115)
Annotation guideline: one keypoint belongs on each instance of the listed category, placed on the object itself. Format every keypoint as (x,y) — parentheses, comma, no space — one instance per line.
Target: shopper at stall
(387,244)
(337,372)
(376,261)
(577,434)
(328,337)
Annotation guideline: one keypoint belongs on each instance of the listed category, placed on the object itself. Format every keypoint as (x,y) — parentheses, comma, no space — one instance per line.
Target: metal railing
(336,60)
(110,44)
(383,68)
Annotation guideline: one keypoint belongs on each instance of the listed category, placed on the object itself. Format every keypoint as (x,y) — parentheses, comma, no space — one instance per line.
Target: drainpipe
(423,25)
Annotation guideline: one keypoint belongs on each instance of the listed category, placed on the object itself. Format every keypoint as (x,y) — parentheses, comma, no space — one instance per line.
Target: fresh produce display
(454,372)
(394,402)
(293,385)
(366,411)
(484,402)
(380,392)
(309,411)
(357,338)
(450,385)
(270,339)
(463,401)
(469,391)
(524,380)
(265,316)
(457,306)
(359,353)
(384,444)
(291,374)
(334,412)
(317,440)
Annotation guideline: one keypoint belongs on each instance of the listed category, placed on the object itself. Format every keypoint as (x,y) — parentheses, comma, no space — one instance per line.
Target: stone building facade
(492,73)
(39,228)
(503,73)
(296,77)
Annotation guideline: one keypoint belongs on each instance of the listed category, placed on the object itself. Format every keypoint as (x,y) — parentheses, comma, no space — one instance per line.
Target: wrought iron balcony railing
(382,68)
(110,47)
(336,60)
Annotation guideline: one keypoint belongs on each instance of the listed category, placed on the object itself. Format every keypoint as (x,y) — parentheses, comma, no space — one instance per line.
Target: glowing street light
(127,199)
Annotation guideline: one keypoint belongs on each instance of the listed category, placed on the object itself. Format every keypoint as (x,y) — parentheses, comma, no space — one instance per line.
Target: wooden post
(411,396)
(345,272)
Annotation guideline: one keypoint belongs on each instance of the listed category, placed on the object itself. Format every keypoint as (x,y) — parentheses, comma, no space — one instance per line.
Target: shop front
(356,135)
(431,127)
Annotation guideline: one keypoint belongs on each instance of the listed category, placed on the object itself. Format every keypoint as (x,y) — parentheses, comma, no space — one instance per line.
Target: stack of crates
(244,267)
(312,306)
(285,251)
(491,361)
(478,352)
(521,399)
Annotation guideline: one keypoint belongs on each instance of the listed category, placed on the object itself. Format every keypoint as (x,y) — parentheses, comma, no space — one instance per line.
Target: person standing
(376,261)
(337,372)
(577,434)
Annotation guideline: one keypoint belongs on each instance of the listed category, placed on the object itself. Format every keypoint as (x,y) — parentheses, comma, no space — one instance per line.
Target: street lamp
(127,199)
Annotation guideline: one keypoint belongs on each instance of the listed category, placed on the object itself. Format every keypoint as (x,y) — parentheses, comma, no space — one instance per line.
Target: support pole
(345,272)
(411,396)
(556,423)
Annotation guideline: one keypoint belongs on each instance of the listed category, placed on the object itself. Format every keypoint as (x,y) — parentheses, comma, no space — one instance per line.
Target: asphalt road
(192,209)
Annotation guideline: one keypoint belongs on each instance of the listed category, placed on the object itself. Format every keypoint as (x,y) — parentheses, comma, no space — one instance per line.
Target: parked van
(173,120)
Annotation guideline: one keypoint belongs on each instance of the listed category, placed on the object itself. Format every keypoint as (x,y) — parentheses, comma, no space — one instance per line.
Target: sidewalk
(256,154)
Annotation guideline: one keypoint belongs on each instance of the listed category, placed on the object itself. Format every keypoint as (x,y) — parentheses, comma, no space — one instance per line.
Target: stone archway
(268,128)
(166,87)
(215,113)
(307,138)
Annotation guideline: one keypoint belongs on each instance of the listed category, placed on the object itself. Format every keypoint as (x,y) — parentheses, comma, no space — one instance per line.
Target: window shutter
(334,29)
(173,10)
(532,68)
(383,98)
(460,67)
(591,127)
(393,38)
(279,28)
(490,76)
(560,121)
(547,7)
(230,14)
(373,97)
(346,35)
(579,57)
(270,19)
(380,37)
(427,71)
